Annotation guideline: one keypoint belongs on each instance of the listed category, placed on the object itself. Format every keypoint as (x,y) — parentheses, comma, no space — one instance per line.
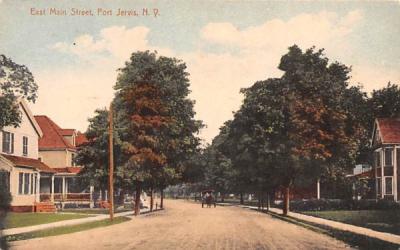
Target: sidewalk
(392,238)
(97,217)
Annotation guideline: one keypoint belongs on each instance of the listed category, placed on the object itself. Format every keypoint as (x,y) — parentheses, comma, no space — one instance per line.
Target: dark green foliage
(341,204)
(15,81)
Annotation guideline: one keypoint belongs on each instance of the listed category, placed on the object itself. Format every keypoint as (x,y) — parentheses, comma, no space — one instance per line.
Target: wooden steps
(47,207)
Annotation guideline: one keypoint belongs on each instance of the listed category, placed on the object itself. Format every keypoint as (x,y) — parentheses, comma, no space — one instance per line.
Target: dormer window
(8,142)
(25,146)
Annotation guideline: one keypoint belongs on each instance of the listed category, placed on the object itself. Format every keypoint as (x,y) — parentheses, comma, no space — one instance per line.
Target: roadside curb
(387,237)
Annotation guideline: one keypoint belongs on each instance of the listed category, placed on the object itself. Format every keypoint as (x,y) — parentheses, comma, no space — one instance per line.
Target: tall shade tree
(169,76)
(15,81)
(143,144)
(320,137)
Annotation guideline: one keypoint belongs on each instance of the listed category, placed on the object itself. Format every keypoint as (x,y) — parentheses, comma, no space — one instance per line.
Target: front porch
(64,190)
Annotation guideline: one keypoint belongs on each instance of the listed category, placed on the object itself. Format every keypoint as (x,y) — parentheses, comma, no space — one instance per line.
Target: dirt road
(185,225)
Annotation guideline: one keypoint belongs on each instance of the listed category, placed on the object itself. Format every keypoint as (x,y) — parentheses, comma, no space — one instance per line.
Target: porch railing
(66,197)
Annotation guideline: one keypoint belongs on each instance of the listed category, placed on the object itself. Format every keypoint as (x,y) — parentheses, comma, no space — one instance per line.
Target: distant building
(386,144)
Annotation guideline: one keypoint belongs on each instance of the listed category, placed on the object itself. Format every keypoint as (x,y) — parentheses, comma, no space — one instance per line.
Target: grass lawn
(379,220)
(29,219)
(66,229)
(359,241)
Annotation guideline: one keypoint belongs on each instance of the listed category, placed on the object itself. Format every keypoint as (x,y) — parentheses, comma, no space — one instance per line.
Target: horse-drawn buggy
(208,198)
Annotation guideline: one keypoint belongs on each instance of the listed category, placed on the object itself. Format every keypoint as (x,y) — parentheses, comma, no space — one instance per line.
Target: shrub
(5,201)
(326,204)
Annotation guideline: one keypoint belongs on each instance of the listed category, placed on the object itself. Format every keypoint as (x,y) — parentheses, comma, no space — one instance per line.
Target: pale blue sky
(365,35)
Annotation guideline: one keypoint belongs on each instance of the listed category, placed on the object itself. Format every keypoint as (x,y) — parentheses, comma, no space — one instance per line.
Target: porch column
(382,173)
(37,191)
(376,175)
(52,189)
(395,174)
(63,187)
(318,190)
(91,204)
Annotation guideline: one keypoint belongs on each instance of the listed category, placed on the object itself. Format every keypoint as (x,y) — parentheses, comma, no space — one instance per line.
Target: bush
(325,205)
(5,201)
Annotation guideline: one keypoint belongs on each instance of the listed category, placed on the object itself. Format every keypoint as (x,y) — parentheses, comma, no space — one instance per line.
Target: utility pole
(111,158)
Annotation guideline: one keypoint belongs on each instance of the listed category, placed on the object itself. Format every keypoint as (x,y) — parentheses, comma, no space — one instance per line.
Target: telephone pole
(111,158)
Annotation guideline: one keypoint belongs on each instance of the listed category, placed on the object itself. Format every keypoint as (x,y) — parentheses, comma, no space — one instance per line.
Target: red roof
(52,134)
(389,129)
(69,170)
(80,139)
(29,162)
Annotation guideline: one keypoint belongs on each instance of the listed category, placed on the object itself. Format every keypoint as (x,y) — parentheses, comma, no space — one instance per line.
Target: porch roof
(68,170)
(28,162)
(365,175)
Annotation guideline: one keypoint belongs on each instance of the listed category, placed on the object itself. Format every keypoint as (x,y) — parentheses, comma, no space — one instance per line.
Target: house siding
(25,129)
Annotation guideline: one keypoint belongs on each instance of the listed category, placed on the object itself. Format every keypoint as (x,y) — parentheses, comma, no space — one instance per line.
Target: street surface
(185,225)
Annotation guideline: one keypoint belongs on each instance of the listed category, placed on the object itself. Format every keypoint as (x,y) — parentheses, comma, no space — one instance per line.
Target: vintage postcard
(239,124)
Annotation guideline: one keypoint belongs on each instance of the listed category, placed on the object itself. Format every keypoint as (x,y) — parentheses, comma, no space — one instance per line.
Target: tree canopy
(15,81)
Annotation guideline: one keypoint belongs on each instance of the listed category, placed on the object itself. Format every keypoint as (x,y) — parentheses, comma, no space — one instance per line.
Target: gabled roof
(30,116)
(28,162)
(388,130)
(52,135)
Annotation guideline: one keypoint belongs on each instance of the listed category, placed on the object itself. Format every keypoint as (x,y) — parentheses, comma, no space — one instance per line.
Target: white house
(20,165)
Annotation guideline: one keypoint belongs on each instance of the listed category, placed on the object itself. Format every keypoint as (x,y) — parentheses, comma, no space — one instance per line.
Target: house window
(25,146)
(388,157)
(377,159)
(8,142)
(36,186)
(378,185)
(389,185)
(26,183)
(73,160)
(21,183)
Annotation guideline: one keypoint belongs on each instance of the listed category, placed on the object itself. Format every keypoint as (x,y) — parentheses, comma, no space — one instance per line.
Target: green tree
(179,139)
(143,145)
(321,137)
(94,154)
(15,81)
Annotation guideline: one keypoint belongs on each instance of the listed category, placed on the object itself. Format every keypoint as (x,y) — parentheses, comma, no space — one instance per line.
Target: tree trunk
(258,201)
(137,198)
(162,198)
(222,197)
(151,198)
(241,199)
(121,197)
(262,201)
(286,201)
(268,201)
